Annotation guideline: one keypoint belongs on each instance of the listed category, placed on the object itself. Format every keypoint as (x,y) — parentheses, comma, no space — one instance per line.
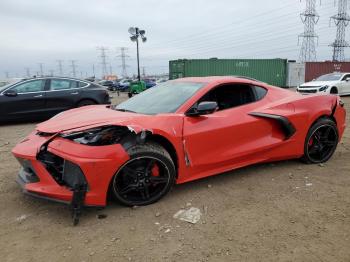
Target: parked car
(124,84)
(183,130)
(334,83)
(110,85)
(44,97)
(149,83)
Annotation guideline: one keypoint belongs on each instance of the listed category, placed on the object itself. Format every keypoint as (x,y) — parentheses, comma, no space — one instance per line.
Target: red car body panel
(204,145)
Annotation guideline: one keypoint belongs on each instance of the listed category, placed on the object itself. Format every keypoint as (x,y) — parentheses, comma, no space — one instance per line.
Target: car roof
(54,77)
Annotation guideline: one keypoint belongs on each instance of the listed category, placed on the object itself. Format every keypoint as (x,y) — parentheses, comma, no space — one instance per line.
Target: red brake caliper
(155,170)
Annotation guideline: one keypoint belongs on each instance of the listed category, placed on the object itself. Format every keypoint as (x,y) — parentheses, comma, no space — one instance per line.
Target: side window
(61,84)
(260,92)
(229,96)
(346,77)
(82,84)
(31,86)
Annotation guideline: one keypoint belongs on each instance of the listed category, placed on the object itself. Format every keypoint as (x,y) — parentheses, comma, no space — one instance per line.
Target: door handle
(75,93)
(38,96)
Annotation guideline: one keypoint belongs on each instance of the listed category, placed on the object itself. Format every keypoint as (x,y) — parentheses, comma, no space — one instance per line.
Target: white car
(334,83)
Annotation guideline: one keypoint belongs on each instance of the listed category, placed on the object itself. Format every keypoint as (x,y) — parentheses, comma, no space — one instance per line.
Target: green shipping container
(271,71)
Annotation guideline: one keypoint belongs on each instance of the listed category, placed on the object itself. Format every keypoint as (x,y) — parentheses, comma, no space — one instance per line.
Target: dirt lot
(285,211)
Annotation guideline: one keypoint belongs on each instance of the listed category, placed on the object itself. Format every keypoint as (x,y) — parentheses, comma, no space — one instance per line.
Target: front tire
(321,141)
(146,177)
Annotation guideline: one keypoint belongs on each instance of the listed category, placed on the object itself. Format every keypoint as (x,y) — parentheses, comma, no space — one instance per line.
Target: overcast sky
(42,31)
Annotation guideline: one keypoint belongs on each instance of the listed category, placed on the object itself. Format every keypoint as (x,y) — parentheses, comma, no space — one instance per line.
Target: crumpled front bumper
(97,163)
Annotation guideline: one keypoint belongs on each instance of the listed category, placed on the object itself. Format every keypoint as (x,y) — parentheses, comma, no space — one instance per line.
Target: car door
(27,100)
(230,136)
(345,85)
(62,94)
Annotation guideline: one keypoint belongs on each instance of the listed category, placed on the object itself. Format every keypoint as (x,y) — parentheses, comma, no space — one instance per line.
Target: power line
(341,20)
(103,57)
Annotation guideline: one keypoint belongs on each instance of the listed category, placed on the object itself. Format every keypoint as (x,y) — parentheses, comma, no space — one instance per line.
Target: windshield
(329,77)
(163,98)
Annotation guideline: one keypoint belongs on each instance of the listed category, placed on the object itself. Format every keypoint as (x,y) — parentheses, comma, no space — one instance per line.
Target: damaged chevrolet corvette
(179,131)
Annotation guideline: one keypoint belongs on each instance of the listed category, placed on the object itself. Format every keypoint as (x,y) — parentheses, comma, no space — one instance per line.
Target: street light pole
(135,34)
(138,56)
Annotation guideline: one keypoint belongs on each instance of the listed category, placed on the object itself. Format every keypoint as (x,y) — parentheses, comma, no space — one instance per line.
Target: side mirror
(10,93)
(204,108)
(347,79)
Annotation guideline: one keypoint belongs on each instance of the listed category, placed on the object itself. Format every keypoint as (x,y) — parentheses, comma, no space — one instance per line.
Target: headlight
(323,88)
(101,136)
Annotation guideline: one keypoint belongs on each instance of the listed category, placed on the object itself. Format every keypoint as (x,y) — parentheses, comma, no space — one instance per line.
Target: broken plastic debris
(308,184)
(21,218)
(191,215)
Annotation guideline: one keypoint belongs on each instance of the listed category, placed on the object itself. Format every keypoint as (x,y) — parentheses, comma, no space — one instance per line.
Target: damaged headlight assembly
(107,135)
(323,88)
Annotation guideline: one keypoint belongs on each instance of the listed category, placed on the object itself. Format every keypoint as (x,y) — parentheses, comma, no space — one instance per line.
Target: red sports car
(176,132)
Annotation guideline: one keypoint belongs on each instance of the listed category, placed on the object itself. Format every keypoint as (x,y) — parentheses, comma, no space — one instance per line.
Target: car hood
(89,117)
(318,83)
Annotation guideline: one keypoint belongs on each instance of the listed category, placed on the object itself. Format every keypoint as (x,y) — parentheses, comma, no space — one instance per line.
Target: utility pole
(341,20)
(74,67)
(41,68)
(7,74)
(309,18)
(27,71)
(103,57)
(60,67)
(135,33)
(123,57)
(93,69)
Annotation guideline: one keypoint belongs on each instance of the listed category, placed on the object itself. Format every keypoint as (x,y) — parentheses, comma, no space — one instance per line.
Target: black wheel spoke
(150,165)
(128,189)
(145,192)
(158,179)
(128,171)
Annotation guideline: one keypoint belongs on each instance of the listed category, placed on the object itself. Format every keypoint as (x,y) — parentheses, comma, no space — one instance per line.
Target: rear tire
(146,177)
(86,102)
(321,141)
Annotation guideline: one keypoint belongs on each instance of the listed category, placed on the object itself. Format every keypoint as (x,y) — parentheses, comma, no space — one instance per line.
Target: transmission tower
(60,67)
(309,18)
(74,67)
(123,57)
(144,71)
(341,20)
(103,57)
(41,67)
(27,71)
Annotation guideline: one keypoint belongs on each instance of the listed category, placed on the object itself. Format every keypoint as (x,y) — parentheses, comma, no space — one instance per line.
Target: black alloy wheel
(145,178)
(321,141)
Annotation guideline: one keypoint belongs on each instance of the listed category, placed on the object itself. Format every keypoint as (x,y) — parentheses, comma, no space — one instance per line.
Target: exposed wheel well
(87,99)
(334,90)
(324,116)
(167,145)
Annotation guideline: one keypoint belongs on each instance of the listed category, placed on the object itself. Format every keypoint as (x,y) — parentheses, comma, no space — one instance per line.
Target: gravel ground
(285,211)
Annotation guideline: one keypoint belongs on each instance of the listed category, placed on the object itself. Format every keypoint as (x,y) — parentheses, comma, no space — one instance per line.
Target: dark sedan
(41,98)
